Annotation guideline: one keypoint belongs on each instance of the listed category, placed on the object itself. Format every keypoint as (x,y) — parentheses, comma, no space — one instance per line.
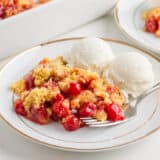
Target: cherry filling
(19,108)
(115,113)
(39,115)
(2,12)
(74,88)
(29,82)
(60,110)
(151,25)
(87,110)
(71,123)
(58,97)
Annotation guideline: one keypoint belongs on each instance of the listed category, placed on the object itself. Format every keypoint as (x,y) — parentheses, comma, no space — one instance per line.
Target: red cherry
(58,97)
(74,88)
(19,108)
(71,123)
(2,12)
(87,110)
(114,112)
(60,110)
(40,115)
(151,25)
(29,82)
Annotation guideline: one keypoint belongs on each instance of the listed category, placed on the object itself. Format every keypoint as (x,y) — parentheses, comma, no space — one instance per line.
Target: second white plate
(128,15)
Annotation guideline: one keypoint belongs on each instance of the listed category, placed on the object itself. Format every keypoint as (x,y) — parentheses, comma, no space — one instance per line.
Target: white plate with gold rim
(128,15)
(85,139)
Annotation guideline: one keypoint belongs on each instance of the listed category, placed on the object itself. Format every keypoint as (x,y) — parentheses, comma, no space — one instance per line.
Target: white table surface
(15,147)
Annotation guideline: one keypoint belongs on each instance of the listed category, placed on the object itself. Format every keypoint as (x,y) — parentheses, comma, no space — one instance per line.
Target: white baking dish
(45,22)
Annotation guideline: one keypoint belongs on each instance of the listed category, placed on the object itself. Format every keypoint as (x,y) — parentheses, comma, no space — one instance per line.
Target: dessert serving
(152,21)
(86,82)
(11,7)
(54,91)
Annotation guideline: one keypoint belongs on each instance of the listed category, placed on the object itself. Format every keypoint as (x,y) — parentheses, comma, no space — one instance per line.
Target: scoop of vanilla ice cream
(90,53)
(131,72)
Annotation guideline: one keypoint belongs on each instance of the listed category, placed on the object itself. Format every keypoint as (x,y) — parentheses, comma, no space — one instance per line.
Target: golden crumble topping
(19,86)
(37,96)
(77,74)
(117,99)
(41,74)
(100,115)
(56,69)
(152,12)
(83,97)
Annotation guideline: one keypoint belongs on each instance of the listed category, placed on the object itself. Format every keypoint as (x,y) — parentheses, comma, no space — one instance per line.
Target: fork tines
(95,123)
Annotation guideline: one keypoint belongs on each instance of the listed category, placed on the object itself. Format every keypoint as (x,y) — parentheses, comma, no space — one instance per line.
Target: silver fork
(130,113)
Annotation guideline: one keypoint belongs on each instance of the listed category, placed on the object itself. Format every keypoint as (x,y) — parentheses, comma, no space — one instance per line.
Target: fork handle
(149,91)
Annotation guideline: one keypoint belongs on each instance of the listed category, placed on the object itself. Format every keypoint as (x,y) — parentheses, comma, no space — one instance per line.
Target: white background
(15,147)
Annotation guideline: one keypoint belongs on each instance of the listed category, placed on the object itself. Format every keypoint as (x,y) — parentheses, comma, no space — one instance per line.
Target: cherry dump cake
(54,91)
(9,8)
